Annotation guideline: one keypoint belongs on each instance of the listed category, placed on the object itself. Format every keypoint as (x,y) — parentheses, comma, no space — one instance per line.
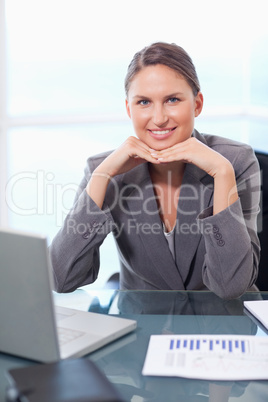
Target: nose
(160,117)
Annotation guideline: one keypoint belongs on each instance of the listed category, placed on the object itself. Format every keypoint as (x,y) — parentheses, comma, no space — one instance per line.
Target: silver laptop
(31,326)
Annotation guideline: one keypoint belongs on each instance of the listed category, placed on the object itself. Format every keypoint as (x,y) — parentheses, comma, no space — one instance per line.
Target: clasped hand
(134,152)
(195,152)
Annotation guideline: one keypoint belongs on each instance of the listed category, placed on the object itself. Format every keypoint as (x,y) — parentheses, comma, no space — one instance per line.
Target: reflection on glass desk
(162,312)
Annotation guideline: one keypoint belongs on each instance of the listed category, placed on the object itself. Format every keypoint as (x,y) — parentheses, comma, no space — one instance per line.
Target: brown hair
(170,55)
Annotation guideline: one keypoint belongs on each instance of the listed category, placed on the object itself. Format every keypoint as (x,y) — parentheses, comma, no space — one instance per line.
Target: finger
(169,155)
(147,156)
(143,151)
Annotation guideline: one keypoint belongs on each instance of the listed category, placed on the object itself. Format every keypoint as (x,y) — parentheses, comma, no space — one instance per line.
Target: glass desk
(161,312)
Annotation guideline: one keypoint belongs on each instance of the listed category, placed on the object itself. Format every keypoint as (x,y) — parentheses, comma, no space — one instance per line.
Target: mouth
(161,134)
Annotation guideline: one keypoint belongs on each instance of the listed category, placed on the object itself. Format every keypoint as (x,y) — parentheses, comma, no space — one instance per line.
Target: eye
(143,102)
(173,100)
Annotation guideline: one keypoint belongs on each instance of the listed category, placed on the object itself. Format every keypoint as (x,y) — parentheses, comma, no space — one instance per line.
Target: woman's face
(162,107)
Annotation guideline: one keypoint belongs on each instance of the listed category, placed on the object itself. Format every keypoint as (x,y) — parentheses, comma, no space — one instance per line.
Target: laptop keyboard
(67,335)
(61,316)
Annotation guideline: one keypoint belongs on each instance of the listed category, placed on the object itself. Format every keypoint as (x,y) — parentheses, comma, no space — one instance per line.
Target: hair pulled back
(170,55)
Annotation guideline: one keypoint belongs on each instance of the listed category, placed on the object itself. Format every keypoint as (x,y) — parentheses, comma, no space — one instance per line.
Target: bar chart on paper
(211,357)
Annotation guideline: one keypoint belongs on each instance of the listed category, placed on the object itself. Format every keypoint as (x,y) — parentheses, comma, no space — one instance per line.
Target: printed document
(208,357)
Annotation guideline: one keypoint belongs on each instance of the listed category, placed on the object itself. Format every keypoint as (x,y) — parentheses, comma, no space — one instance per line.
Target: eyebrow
(140,96)
(167,96)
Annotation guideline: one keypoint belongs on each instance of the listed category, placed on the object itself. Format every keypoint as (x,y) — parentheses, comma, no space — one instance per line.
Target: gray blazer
(219,253)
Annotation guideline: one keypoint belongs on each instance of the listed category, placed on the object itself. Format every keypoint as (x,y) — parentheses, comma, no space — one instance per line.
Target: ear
(128,109)
(199,101)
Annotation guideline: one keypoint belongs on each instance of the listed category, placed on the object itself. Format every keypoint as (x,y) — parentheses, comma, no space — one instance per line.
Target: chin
(161,145)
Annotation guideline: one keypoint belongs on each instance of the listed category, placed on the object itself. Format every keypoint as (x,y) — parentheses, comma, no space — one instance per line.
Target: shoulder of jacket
(217,141)
(227,147)
(96,160)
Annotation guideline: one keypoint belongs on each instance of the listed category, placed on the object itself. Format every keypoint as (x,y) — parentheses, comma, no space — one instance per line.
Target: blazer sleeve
(74,251)
(232,245)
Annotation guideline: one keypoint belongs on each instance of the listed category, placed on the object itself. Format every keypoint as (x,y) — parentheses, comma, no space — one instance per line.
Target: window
(62,75)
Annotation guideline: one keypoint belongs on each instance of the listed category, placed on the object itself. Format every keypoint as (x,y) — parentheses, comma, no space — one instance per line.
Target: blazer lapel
(195,195)
(145,211)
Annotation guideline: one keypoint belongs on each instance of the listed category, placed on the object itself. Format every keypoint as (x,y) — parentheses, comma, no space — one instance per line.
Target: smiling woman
(62,70)
(162,166)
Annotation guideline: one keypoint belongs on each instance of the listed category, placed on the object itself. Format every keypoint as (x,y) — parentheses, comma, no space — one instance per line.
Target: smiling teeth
(161,132)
